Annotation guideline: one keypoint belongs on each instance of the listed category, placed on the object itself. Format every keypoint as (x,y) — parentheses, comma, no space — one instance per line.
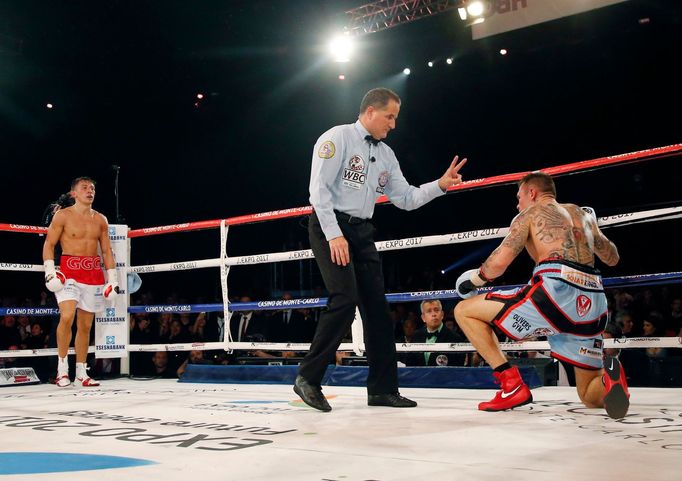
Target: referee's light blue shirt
(344,178)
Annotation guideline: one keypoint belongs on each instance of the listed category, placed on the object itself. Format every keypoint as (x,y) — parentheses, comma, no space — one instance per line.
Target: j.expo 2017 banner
(509,15)
(111,325)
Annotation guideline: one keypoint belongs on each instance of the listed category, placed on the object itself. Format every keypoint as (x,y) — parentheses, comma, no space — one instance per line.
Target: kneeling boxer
(79,285)
(564,300)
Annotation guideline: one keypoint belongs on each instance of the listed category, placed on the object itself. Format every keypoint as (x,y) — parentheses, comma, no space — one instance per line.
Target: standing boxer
(79,285)
(564,300)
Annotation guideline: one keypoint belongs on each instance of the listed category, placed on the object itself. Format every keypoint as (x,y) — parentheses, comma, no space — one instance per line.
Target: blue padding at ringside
(239,374)
(428,377)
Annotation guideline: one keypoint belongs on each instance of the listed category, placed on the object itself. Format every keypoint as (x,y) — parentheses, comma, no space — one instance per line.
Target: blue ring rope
(611,282)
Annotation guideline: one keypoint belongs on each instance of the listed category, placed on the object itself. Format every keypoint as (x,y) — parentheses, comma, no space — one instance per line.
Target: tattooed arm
(603,247)
(512,245)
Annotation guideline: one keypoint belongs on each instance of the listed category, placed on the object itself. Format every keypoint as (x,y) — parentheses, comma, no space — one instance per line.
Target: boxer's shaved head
(540,182)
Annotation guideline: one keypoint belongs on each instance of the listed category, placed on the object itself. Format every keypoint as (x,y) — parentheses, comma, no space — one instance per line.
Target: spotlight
(341,48)
(448,61)
(200,96)
(475,8)
(49,106)
(474,11)
(342,77)
(430,64)
(503,51)
(407,71)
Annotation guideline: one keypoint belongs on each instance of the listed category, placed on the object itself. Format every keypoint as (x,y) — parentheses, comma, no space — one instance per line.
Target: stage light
(341,48)
(342,77)
(475,8)
(200,96)
(449,61)
(503,51)
(407,71)
(474,11)
(49,106)
(430,64)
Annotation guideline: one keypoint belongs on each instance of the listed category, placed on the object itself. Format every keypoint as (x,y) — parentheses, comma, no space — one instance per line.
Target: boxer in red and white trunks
(564,300)
(79,285)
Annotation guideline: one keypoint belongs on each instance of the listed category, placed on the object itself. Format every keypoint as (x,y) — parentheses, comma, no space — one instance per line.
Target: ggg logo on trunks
(84,263)
(582,305)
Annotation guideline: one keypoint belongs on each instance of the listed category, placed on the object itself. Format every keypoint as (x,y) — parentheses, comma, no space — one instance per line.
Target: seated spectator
(160,367)
(9,334)
(673,322)
(652,326)
(626,322)
(435,331)
(195,357)
(409,328)
(197,331)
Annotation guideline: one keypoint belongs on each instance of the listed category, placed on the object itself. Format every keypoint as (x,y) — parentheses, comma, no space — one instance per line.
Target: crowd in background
(633,312)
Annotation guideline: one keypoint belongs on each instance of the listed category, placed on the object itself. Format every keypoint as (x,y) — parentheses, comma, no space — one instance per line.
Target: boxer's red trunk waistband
(83,269)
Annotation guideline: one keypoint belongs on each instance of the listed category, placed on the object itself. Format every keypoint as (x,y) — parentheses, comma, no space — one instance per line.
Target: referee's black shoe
(393,400)
(311,394)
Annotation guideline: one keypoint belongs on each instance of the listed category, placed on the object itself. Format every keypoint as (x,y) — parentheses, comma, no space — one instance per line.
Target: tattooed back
(560,231)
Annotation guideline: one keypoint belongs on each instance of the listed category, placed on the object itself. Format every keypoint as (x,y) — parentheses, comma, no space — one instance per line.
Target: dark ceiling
(123,76)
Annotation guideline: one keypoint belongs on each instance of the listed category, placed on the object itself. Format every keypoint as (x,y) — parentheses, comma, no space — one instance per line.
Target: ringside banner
(509,15)
(111,325)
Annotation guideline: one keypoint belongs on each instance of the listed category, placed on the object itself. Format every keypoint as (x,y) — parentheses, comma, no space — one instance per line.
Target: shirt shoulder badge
(327,150)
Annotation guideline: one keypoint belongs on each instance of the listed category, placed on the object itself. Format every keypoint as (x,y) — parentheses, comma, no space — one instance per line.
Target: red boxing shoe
(514,392)
(86,381)
(616,395)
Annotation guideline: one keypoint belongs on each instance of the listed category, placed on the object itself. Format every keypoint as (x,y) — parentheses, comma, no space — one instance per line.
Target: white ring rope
(407,243)
(225,263)
(618,220)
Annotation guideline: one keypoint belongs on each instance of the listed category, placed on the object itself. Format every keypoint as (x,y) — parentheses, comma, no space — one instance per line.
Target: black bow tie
(431,335)
(371,139)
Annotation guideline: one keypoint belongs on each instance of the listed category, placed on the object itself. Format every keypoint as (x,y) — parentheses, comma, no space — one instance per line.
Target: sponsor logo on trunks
(583,305)
(112,231)
(84,263)
(581,279)
(110,340)
(110,312)
(593,353)
(326,150)
(520,323)
(383,181)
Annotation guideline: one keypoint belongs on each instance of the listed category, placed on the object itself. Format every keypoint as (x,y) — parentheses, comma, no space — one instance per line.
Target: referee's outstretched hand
(452,177)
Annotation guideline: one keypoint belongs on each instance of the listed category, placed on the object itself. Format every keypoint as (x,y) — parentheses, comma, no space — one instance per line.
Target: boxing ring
(218,430)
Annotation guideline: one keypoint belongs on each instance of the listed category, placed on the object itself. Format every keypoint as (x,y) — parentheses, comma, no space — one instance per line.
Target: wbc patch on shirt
(326,150)
(354,175)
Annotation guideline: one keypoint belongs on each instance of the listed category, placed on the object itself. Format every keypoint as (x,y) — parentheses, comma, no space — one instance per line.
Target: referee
(351,168)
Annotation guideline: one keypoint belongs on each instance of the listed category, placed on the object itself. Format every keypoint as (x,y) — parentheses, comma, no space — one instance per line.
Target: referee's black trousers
(360,283)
